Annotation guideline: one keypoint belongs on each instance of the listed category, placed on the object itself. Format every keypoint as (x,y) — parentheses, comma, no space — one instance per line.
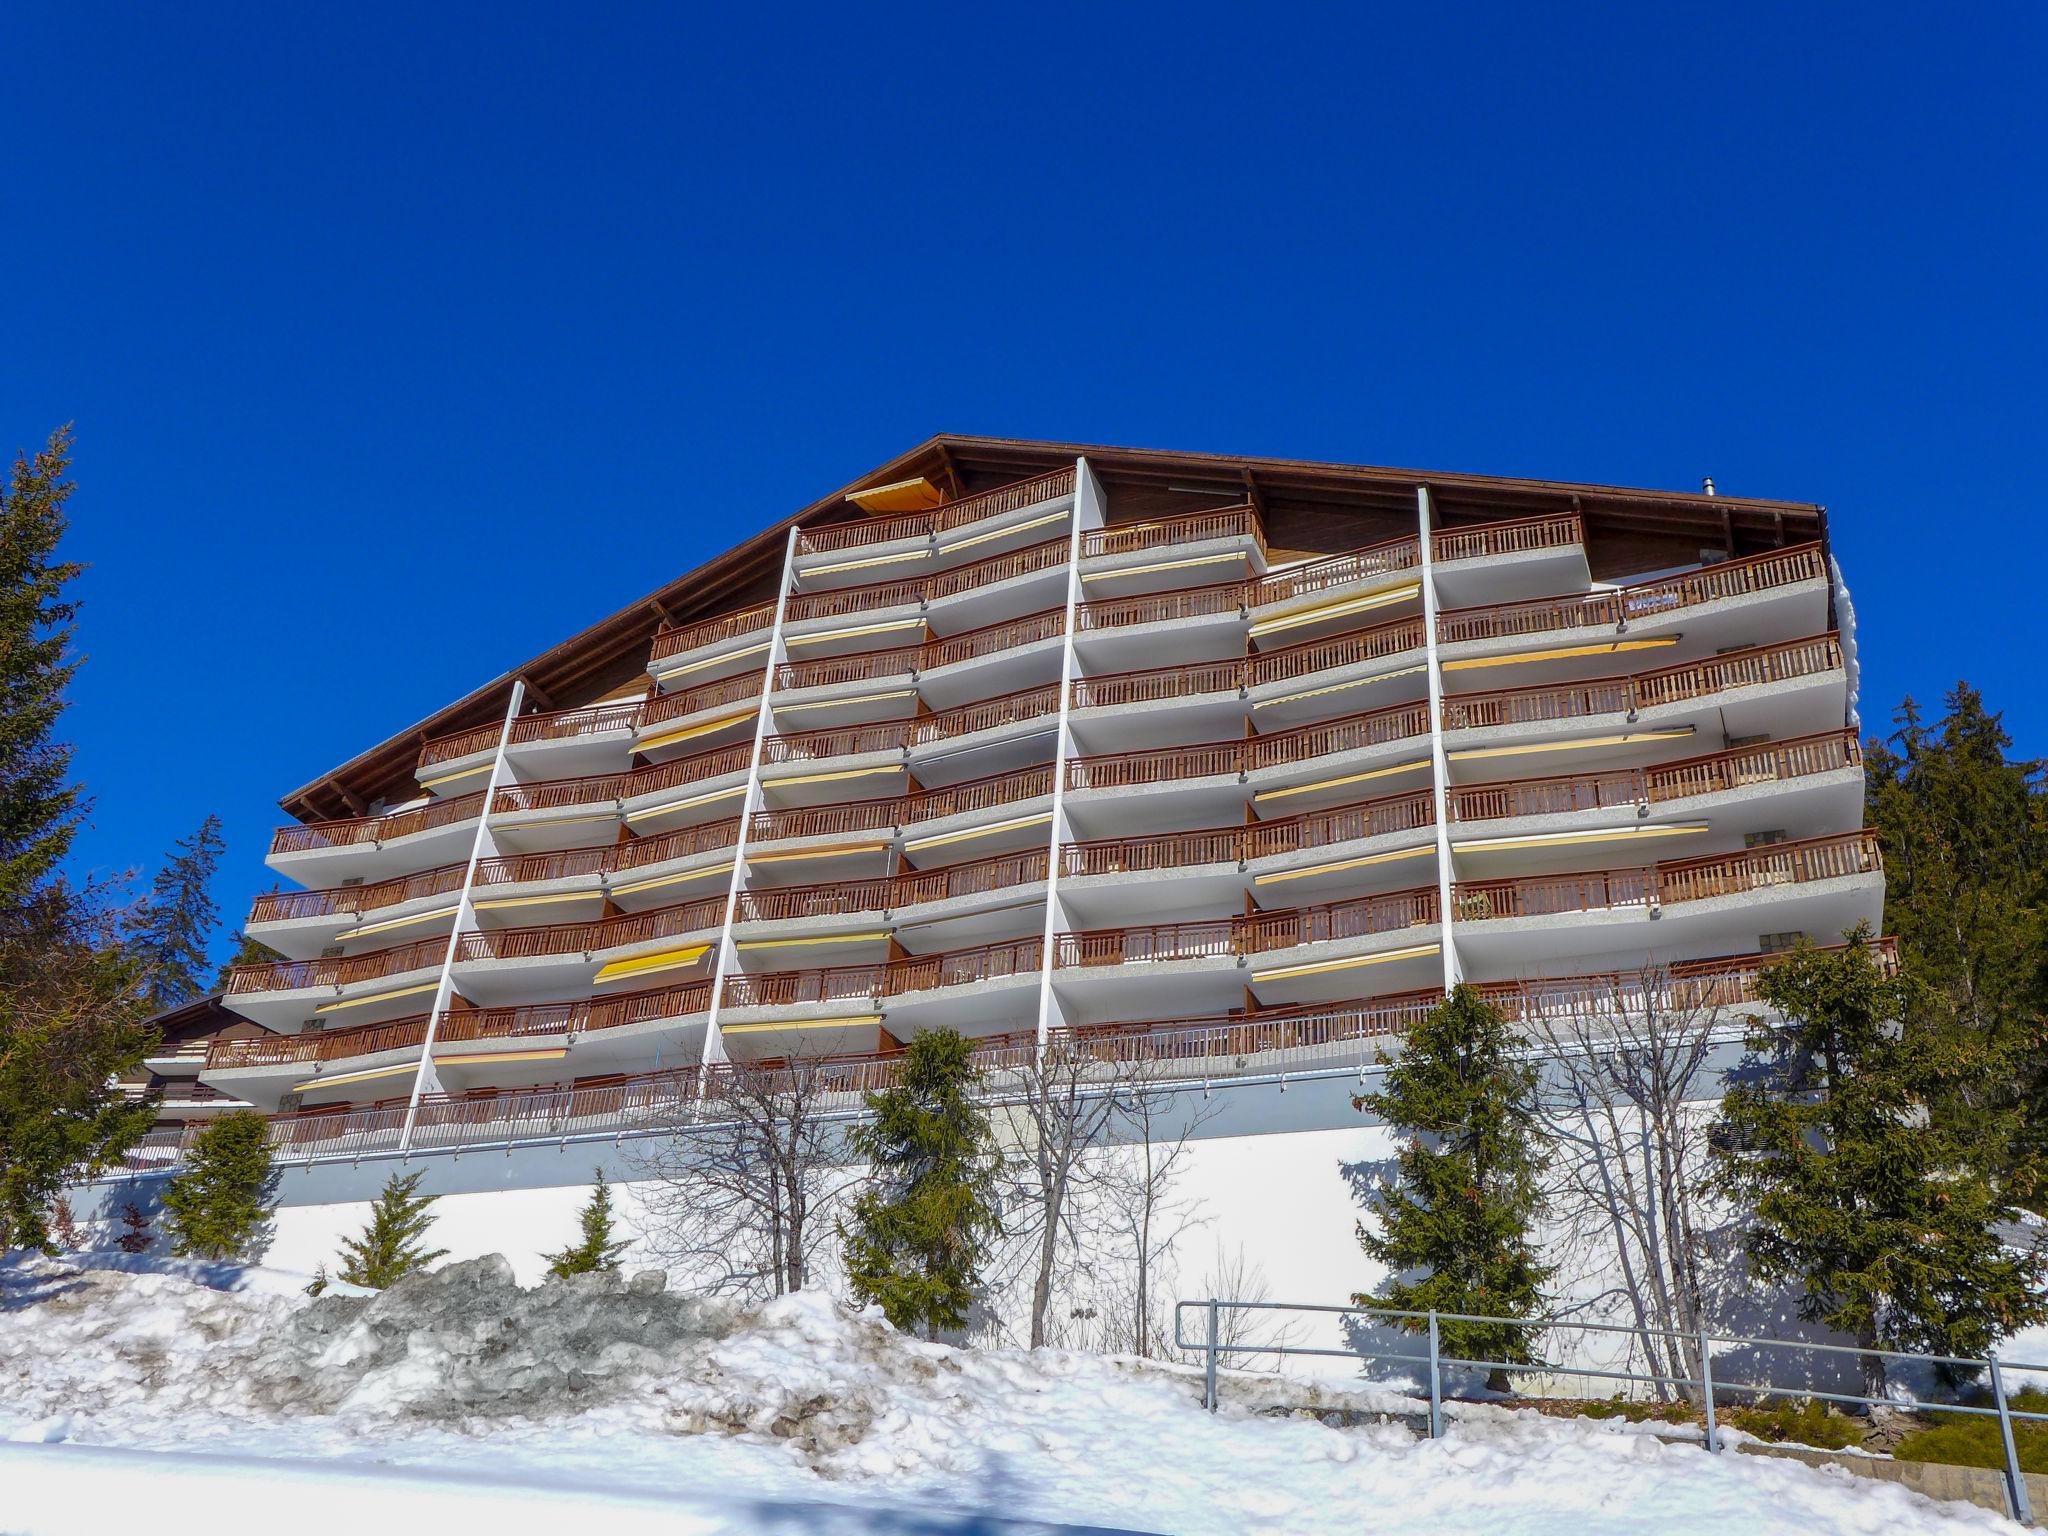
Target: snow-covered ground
(159,1399)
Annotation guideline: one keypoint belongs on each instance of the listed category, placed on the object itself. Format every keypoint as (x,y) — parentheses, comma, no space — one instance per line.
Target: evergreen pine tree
(174,927)
(1884,1215)
(1964,828)
(220,1201)
(597,1250)
(922,1226)
(1454,1226)
(248,951)
(69,1005)
(40,808)
(389,1248)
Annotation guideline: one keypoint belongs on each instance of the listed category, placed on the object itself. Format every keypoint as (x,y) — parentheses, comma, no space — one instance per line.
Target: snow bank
(796,1403)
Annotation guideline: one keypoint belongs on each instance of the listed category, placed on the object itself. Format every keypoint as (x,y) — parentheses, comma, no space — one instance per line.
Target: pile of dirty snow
(616,1393)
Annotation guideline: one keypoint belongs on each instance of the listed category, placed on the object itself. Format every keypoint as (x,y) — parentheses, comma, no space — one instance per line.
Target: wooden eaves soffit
(1304,505)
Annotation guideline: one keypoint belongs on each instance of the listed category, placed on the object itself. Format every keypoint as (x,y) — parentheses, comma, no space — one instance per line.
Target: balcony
(374,848)
(352,1061)
(951,892)
(777,1013)
(300,924)
(1128,558)
(1797,789)
(558,743)
(1691,616)
(1675,911)
(1792,689)
(1489,562)
(710,648)
(501,965)
(686,719)
(345,988)
(1345,1035)
(931,534)
(1295,955)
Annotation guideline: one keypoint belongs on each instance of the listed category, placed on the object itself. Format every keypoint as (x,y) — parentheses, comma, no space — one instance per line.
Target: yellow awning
(641,965)
(913,495)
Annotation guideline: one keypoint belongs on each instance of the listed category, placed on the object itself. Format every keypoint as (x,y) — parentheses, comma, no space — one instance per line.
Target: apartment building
(1209,761)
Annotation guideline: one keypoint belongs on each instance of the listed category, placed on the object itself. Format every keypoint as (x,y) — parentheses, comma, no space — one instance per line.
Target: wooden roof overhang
(611,651)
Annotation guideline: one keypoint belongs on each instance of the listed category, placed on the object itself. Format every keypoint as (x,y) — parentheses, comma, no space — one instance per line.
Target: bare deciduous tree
(1061,1112)
(1622,1093)
(742,1195)
(1143,1210)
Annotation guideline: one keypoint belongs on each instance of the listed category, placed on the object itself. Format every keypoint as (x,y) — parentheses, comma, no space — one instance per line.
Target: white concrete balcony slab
(371,849)
(711,649)
(501,966)
(1674,911)
(1155,554)
(1793,790)
(1495,562)
(1752,601)
(1777,692)
(302,925)
(383,984)
(923,539)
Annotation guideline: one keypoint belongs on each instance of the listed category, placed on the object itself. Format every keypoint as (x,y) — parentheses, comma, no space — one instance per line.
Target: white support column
(1087,514)
(728,953)
(425,1079)
(1439,768)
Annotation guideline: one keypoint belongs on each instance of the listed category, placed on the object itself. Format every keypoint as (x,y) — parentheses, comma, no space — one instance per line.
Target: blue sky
(403,342)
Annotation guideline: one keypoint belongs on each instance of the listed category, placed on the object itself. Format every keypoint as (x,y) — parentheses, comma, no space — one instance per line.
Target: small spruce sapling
(220,1203)
(389,1248)
(598,1250)
(137,1237)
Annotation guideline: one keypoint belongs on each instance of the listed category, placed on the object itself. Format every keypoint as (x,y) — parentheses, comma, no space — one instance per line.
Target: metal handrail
(1711,1384)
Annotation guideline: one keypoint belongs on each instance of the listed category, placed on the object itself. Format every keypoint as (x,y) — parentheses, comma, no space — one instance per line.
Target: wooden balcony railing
(1015,497)
(682,843)
(740,688)
(1524,534)
(845,741)
(976,795)
(514,1023)
(726,626)
(1613,609)
(870,984)
(1260,933)
(1169,532)
(1726,874)
(371,830)
(1353,648)
(1755,667)
(337,970)
(1356,565)
(990,639)
(354,900)
(860,667)
(593,938)
(1164,850)
(1117,689)
(1342,824)
(838,602)
(943,519)
(1251,1039)
(1161,607)
(1360,917)
(1374,728)
(987,715)
(848,817)
(978,878)
(986,573)
(1156,765)
(1769,762)
(537,868)
(446,749)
